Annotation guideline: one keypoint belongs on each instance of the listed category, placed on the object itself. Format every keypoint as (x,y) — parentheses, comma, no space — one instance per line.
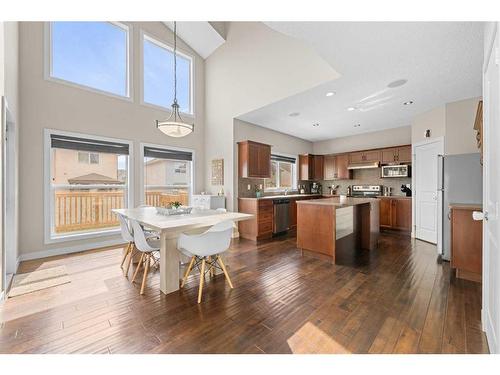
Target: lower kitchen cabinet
(395,213)
(261,226)
(466,242)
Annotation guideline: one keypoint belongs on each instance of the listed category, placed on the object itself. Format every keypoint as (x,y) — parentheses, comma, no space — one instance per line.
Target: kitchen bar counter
(283,196)
(327,226)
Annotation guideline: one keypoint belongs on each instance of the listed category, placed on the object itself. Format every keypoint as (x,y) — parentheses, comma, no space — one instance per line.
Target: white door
(427,202)
(491,197)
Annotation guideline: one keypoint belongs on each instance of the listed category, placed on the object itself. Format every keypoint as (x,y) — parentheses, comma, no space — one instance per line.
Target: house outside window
(283,174)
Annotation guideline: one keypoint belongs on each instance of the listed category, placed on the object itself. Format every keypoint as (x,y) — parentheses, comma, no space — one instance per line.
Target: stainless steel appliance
(281,211)
(396,171)
(366,191)
(460,180)
(315,188)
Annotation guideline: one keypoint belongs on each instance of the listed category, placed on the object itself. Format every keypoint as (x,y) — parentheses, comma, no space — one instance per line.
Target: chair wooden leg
(146,269)
(138,267)
(130,256)
(219,259)
(212,269)
(188,271)
(202,278)
(127,250)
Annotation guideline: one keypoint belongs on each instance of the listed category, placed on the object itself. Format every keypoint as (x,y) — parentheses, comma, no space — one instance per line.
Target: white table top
(197,218)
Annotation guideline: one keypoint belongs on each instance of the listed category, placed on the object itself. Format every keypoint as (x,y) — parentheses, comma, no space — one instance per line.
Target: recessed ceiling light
(351,108)
(331,93)
(294,114)
(357,125)
(397,83)
(408,102)
(316,124)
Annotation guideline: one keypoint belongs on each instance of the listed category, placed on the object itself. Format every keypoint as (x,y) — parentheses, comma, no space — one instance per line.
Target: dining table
(169,228)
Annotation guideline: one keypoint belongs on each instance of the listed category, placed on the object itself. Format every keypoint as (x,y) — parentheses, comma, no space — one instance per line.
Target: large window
(159,76)
(283,174)
(90,54)
(88,178)
(167,176)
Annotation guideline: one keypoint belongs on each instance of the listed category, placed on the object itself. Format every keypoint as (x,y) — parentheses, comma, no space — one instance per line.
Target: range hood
(364,165)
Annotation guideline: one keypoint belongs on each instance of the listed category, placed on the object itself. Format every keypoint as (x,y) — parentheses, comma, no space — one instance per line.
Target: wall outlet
(260,186)
(249,187)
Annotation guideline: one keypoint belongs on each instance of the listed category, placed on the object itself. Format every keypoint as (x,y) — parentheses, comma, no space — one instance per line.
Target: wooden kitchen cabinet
(368,156)
(466,242)
(293,209)
(261,225)
(392,155)
(311,167)
(395,213)
(254,159)
(404,154)
(335,167)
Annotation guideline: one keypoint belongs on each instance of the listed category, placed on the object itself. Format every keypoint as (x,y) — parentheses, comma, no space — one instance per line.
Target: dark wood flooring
(397,299)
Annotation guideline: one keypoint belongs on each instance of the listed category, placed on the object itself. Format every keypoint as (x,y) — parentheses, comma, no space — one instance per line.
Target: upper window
(91,54)
(88,179)
(159,76)
(283,174)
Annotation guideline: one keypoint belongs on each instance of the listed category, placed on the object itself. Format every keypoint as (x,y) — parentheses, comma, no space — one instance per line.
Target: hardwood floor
(397,299)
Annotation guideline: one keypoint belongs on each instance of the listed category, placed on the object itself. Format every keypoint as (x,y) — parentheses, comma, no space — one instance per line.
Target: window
(158,73)
(91,54)
(283,172)
(167,176)
(88,178)
(88,157)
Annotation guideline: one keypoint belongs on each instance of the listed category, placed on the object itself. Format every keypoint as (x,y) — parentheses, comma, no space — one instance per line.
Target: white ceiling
(441,61)
(200,36)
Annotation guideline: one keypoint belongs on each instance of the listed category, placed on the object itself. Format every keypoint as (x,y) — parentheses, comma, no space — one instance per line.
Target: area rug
(24,283)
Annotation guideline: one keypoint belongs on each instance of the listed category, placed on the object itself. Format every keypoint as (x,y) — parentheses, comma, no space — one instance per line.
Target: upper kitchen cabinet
(254,159)
(335,167)
(369,156)
(311,167)
(393,155)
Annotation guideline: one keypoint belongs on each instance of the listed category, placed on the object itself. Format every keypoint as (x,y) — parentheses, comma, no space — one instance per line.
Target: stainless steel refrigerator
(460,179)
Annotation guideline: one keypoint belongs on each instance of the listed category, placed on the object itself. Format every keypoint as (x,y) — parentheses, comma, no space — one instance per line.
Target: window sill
(81,236)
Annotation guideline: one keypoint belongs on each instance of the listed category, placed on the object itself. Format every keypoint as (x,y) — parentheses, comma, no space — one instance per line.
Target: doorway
(9,194)
(427,199)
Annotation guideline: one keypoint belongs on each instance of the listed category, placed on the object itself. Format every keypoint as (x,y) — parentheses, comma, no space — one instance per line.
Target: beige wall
(460,135)
(383,138)
(53,105)
(435,120)
(245,73)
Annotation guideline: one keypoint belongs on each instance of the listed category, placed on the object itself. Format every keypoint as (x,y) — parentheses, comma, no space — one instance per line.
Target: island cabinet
(369,156)
(395,213)
(260,227)
(293,208)
(466,242)
(335,167)
(254,159)
(393,155)
(311,167)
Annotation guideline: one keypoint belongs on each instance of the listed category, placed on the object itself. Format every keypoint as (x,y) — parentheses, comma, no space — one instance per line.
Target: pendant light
(175,126)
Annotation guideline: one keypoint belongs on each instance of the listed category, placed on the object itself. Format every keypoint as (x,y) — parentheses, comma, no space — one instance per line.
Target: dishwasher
(281,215)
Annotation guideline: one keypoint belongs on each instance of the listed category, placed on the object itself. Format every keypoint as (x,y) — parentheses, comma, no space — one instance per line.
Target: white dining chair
(205,249)
(127,236)
(147,246)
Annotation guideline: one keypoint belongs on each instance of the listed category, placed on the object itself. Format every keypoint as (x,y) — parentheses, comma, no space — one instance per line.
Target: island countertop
(347,202)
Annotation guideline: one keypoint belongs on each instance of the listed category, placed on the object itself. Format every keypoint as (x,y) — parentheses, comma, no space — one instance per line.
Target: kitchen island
(327,226)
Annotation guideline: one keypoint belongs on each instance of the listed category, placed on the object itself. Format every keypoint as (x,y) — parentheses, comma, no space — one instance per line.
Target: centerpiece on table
(174,208)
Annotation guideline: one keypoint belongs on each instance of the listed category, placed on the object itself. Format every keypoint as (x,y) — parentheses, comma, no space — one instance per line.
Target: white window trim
(192,79)
(48,202)
(48,65)
(165,147)
(294,175)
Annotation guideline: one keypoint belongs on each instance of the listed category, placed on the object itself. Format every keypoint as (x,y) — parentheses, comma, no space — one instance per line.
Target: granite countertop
(467,206)
(335,202)
(283,196)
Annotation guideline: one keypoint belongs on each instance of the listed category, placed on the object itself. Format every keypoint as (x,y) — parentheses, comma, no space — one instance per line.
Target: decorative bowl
(182,210)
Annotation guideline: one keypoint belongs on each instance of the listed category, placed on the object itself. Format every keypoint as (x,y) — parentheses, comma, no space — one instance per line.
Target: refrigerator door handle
(440,159)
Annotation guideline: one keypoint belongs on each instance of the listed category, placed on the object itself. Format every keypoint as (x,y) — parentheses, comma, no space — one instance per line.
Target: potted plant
(258,191)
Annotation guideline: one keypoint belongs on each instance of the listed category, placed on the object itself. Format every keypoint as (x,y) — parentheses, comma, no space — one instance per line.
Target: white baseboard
(490,333)
(69,249)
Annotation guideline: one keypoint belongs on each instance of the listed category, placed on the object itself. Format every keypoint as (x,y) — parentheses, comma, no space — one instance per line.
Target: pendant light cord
(175,62)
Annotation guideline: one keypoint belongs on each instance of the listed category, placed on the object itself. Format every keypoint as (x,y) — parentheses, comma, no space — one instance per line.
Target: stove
(366,190)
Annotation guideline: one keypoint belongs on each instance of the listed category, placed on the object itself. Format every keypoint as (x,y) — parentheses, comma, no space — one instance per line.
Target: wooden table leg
(169,264)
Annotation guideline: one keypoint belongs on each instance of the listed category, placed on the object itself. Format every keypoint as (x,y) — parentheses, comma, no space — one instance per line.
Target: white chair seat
(154,243)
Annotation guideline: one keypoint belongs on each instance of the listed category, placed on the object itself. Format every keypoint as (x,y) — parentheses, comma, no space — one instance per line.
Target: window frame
(48,209)
(279,188)
(166,45)
(129,76)
(142,190)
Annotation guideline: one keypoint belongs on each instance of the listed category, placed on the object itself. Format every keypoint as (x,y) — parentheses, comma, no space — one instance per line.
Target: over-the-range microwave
(396,171)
